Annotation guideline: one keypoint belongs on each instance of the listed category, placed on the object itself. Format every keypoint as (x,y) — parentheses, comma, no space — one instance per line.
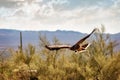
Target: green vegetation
(99,62)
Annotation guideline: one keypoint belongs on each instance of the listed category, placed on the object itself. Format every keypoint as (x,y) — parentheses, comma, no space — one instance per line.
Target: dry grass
(100,62)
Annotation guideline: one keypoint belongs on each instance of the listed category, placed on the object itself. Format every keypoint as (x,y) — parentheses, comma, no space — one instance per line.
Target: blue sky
(76,15)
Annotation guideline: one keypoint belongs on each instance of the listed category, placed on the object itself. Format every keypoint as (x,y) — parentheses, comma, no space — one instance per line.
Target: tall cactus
(21,47)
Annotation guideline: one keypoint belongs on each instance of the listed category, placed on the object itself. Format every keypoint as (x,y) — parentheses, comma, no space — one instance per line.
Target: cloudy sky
(76,15)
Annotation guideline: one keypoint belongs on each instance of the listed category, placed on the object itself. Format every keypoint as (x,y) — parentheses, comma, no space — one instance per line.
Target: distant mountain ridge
(10,38)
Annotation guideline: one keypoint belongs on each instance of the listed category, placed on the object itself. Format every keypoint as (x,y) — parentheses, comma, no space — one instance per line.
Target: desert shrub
(99,62)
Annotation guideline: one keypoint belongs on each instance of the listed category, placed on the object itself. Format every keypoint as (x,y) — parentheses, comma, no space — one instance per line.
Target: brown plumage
(76,47)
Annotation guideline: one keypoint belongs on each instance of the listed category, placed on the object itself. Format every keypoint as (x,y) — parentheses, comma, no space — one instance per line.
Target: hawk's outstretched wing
(57,47)
(83,39)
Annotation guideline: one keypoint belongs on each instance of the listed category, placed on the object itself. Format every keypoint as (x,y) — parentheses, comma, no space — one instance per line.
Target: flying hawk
(76,47)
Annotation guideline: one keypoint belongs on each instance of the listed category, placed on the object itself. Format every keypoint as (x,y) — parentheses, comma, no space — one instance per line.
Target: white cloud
(6,12)
(51,15)
(60,2)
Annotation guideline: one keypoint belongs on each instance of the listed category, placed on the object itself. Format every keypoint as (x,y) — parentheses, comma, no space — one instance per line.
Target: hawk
(76,47)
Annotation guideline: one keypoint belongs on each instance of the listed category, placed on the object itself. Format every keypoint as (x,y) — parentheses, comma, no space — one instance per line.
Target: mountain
(10,38)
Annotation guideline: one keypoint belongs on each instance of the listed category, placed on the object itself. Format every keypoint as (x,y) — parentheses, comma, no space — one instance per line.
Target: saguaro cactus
(21,47)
